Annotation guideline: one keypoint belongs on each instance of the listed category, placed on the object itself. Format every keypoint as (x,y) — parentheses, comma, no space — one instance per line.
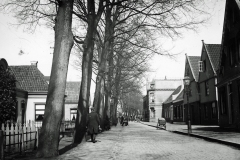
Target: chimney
(34,63)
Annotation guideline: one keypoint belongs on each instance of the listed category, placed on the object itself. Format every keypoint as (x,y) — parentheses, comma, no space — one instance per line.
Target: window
(204,66)
(151,97)
(222,100)
(175,112)
(181,111)
(200,64)
(206,88)
(190,91)
(23,111)
(231,56)
(151,86)
(205,111)
(16,111)
(73,114)
(230,95)
(214,110)
(40,109)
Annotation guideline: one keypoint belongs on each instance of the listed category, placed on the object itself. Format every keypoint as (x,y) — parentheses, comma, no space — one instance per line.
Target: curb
(209,139)
(203,137)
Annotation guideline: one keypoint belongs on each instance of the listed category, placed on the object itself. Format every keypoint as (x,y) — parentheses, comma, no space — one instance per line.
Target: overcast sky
(191,43)
(37,46)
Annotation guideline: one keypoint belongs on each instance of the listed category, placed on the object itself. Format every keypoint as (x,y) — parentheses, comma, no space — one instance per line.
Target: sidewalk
(210,133)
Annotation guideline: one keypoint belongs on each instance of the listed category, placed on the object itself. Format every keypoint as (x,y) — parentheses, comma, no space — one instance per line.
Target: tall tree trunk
(108,82)
(116,92)
(83,104)
(103,68)
(49,135)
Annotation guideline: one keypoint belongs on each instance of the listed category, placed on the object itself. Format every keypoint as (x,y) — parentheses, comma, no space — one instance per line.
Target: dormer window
(200,64)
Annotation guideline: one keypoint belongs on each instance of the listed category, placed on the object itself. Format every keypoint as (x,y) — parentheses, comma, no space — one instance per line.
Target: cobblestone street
(138,141)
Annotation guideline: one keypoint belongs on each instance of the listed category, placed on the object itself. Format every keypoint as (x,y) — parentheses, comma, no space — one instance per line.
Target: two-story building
(229,67)
(158,90)
(191,70)
(208,66)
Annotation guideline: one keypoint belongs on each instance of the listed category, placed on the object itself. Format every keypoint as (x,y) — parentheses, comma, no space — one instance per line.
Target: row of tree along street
(113,39)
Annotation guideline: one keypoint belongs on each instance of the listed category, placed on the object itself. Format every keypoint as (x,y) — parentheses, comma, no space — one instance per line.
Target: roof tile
(72,91)
(193,61)
(213,51)
(29,78)
(176,91)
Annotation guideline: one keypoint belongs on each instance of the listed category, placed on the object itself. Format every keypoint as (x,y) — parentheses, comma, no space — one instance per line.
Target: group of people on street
(123,121)
(93,123)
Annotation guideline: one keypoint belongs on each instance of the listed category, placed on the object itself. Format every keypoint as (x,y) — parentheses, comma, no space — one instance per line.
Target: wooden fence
(18,138)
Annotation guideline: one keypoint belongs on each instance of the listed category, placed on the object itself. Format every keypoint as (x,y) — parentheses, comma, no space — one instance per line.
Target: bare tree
(31,12)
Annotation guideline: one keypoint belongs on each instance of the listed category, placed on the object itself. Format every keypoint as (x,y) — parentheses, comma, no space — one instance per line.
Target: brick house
(191,70)
(208,66)
(173,110)
(229,67)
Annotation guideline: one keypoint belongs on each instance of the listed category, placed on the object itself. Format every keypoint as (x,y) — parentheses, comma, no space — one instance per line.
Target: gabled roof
(29,78)
(72,92)
(175,92)
(213,52)
(180,96)
(227,4)
(238,3)
(193,63)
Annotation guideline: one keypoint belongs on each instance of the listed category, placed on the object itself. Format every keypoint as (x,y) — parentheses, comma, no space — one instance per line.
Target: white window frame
(152,99)
(39,110)
(73,112)
(200,65)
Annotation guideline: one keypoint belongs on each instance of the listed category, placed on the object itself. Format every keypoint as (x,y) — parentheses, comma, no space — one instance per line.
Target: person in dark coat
(93,123)
(121,120)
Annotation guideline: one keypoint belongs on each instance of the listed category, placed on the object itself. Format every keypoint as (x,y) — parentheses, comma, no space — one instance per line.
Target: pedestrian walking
(121,120)
(93,123)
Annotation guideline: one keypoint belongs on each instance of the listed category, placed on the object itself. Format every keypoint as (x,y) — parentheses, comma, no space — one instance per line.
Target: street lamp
(187,91)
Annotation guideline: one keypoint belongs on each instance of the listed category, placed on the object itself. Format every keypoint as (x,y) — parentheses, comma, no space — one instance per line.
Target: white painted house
(31,93)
